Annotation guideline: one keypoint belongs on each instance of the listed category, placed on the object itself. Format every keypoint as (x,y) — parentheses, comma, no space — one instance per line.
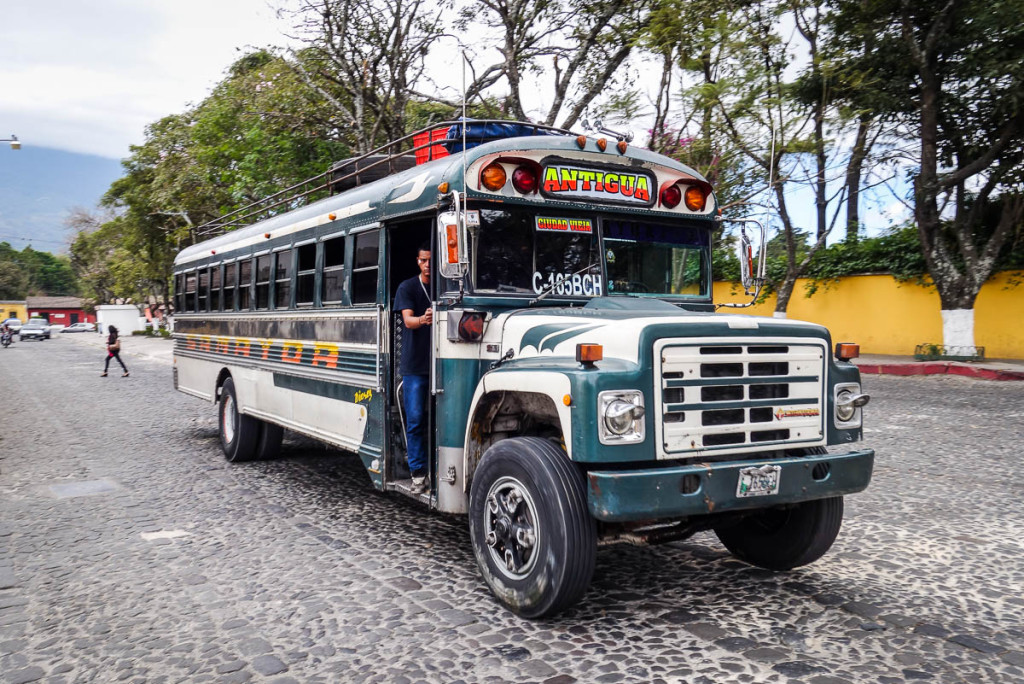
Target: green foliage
(951,75)
(897,252)
(261,130)
(33,273)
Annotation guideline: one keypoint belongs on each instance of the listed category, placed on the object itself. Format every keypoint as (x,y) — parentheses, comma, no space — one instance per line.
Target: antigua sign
(565,181)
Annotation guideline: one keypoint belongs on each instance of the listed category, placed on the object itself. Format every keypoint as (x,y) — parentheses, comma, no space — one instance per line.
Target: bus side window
(229,286)
(263,282)
(215,294)
(204,290)
(305,267)
(364,267)
(190,291)
(283,280)
(334,271)
(179,292)
(244,285)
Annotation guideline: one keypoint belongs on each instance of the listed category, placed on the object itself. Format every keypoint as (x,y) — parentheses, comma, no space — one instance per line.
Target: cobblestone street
(131,551)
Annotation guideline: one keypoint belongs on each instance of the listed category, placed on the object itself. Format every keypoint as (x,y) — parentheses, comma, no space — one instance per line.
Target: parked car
(14,324)
(36,328)
(80,327)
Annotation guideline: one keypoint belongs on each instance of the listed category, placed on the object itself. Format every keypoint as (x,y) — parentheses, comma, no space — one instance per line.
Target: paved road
(130,551)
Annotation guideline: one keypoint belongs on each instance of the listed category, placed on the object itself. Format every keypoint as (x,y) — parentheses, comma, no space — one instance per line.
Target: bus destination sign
(565,181)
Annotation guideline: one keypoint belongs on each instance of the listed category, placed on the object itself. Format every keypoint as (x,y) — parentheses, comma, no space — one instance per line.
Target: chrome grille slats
(706,403)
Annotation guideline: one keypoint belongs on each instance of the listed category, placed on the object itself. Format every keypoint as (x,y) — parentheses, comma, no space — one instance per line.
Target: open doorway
(404,241)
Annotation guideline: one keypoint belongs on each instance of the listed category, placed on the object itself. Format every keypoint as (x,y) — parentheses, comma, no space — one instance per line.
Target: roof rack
(397,155)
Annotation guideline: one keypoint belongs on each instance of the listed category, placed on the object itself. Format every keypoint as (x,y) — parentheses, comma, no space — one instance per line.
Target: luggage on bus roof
(478,133)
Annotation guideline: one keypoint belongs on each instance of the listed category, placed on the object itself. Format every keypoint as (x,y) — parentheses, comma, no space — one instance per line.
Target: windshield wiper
(556,283)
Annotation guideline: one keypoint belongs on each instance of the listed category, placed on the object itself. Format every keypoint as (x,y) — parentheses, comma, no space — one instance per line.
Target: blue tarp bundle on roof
(479,133)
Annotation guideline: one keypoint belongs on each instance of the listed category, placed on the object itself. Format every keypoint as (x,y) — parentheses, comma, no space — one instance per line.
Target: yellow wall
(886,316)
(7,306)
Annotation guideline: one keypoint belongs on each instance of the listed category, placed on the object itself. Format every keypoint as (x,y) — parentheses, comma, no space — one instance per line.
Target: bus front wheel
(533,537)
(239,434)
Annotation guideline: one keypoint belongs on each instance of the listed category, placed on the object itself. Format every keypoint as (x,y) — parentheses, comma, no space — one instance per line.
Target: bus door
(402,251)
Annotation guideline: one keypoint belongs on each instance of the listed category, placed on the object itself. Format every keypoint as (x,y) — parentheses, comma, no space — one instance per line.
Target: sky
(89,76)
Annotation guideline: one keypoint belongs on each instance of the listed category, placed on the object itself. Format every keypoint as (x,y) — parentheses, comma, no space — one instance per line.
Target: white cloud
(88,77)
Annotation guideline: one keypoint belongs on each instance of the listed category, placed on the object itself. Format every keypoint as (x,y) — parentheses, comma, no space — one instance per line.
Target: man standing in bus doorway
(413,300)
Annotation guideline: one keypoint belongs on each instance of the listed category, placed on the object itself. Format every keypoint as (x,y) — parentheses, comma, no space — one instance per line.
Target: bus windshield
(656,259)
(518,251)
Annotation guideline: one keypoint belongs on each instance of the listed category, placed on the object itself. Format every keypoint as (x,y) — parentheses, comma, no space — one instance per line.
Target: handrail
(301,192)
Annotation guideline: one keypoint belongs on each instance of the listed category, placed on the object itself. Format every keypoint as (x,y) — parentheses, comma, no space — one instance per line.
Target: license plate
(762,481)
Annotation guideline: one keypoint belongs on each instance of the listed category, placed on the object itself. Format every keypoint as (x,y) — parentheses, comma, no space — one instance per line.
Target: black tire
(269,445)
(786,537)
(239,434)
(527,485)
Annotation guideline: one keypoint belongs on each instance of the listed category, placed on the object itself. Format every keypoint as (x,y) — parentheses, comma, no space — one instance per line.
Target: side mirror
(745,254)
(451,237)
(752,280)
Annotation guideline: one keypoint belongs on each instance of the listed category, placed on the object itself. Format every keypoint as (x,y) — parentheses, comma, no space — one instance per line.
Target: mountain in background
(38,189)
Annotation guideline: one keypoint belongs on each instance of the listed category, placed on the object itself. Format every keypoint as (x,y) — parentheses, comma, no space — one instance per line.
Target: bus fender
(516,404)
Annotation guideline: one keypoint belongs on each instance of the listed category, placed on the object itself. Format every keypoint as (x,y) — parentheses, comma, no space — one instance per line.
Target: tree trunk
(958,327)
(854,170)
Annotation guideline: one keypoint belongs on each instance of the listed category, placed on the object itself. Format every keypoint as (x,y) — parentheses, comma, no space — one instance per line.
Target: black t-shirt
(415,343)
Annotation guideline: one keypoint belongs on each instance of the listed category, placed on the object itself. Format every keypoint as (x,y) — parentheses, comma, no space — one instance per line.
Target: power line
(30,239)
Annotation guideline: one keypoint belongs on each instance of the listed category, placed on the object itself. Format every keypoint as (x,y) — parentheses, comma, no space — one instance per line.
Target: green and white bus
(584,387)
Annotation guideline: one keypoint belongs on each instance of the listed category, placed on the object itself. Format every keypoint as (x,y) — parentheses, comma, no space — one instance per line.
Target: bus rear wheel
(533,537)
(269,445)
(239,434)
(787,537)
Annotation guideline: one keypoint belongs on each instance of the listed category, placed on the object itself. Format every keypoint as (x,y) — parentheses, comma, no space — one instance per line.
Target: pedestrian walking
(113,352)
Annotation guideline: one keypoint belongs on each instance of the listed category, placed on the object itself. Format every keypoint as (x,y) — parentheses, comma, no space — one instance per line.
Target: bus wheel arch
(505,414)
(221,378)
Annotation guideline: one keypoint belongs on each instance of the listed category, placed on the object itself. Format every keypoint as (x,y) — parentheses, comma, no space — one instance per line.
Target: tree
(254,135)
(962,63)
(772,107)
(365,59)
(33,273)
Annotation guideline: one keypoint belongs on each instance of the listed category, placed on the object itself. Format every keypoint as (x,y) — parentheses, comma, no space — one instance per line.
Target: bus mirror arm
(752,282)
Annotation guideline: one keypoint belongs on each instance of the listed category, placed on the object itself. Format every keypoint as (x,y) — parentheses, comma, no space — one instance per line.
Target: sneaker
(419,485)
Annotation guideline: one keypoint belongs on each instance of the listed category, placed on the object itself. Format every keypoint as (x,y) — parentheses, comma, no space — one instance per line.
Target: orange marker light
(602,144)
(567,400)
(266,235)
(589,353)
(493,177)
(694,198)
(581,141)
(451,234)
(621,145)
(443,188)
(332,216)
(847,350)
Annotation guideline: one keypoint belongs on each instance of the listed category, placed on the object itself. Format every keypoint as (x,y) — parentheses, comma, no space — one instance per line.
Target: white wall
(124,316)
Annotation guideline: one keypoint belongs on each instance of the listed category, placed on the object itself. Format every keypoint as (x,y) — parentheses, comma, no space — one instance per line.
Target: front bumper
(619,496)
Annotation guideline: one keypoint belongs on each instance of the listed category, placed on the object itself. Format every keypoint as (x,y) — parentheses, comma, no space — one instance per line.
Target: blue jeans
(414,396)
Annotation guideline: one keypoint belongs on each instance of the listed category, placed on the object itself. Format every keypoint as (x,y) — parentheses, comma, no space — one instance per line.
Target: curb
(940,368)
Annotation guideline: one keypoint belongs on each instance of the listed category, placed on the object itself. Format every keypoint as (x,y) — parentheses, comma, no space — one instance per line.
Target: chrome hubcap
(228,419)
(510,527)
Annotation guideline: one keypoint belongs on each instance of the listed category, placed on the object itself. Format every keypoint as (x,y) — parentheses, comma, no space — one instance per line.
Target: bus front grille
(724,397)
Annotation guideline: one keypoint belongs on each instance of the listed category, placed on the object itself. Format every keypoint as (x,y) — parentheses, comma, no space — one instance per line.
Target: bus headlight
(848,401)
(620,416)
